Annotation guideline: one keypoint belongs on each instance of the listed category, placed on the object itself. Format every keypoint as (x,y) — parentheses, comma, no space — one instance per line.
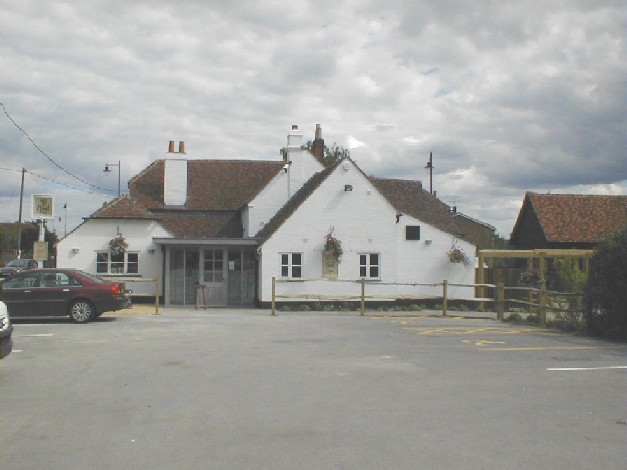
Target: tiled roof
(577,218)
(218,224)
(408,197)
(123,207)
(211,184)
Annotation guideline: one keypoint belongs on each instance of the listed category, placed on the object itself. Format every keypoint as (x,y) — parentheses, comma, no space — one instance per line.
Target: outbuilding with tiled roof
(569,221)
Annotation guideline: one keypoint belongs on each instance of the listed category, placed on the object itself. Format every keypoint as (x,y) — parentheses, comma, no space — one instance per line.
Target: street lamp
(107,170)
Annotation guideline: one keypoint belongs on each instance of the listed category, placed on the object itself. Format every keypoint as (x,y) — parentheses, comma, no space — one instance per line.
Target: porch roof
(205,241)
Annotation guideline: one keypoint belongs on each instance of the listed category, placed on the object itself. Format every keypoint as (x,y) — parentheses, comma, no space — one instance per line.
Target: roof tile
(579,218)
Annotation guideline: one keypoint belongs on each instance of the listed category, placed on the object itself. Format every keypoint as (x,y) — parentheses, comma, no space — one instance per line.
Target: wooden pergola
(540,255)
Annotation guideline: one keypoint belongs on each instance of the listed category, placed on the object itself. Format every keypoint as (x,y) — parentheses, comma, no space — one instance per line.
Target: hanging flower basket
(118,245)
(333,246)
(456,255)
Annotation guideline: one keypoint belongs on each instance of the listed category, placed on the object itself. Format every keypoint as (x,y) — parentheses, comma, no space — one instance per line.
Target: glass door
(241,277)
(184,274)
(214,276)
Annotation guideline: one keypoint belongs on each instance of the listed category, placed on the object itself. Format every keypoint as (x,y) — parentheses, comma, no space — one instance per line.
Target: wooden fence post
(542,301)
(273,295)
(444,299)
(500,301)
(157,295)
(362,304)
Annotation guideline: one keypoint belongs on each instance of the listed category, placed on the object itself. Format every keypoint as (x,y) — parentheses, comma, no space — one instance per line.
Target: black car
(6,343)
(60,292)
(18,265)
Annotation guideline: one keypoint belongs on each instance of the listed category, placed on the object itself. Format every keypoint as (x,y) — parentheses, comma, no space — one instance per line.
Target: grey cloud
(514,95)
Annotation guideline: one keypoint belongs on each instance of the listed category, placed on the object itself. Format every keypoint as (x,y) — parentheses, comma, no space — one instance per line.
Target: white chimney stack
(175,176)
(294,138)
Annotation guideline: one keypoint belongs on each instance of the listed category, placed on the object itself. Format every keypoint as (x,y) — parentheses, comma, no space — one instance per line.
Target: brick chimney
(317,146)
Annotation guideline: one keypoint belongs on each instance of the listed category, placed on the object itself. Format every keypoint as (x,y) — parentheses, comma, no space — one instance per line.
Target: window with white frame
(291,265)
(120,263)
(370,265)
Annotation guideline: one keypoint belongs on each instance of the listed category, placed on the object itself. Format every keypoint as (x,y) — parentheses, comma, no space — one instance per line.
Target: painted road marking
(481,342)
(40,335)
(552,348)
(587,368)
(453,330)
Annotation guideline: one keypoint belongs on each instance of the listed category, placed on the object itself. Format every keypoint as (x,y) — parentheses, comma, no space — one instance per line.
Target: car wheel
(81,311)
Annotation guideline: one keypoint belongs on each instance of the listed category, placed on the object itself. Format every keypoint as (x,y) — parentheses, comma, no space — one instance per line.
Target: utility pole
(430,168)
(19,222)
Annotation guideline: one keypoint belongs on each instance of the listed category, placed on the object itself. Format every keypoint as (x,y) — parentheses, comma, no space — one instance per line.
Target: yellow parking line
(469,331)
(547,348)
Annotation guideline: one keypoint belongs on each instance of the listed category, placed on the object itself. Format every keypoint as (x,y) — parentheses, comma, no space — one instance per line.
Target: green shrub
(605,291)
(514,317)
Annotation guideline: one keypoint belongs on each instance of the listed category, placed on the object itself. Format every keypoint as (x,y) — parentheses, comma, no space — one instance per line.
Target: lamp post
(107,170)
(430,168)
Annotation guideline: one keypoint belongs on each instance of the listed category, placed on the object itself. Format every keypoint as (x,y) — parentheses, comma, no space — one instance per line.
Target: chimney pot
(171,147)
(318,131)
(181,147)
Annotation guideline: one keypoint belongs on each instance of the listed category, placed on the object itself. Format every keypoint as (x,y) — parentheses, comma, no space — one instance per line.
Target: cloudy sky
(510,96)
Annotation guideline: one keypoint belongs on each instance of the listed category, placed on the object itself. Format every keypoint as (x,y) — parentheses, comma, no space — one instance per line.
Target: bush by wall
(605,291)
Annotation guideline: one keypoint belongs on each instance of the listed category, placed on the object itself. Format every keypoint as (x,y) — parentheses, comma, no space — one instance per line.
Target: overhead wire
(58,182)
(48,157)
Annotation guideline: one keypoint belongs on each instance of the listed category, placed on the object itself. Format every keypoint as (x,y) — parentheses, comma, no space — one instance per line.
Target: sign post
(42,208)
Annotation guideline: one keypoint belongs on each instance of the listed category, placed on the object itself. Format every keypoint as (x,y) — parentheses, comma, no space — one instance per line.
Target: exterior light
(348,187)
(107,170)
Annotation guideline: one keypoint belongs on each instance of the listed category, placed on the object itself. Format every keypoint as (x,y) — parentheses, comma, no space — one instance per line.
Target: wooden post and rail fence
(499,299)
(129,280)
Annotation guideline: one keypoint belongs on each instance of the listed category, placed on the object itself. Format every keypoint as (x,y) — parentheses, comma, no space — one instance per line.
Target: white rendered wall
(365,223)
(266,204)
(304,165)
(283,186)
(78,250)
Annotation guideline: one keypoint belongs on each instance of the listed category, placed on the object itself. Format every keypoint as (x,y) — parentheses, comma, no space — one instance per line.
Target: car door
(19,293)
(52,296)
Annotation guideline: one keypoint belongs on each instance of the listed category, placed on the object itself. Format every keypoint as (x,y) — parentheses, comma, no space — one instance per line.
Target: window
(22,281)
(412,232)
(369,267)
(121,263)
(214,265)
(291,265)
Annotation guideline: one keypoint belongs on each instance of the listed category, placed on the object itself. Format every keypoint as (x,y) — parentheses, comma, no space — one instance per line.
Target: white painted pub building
(233,225)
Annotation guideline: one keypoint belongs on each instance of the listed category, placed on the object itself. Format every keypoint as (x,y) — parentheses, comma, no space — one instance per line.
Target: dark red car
(59,292)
